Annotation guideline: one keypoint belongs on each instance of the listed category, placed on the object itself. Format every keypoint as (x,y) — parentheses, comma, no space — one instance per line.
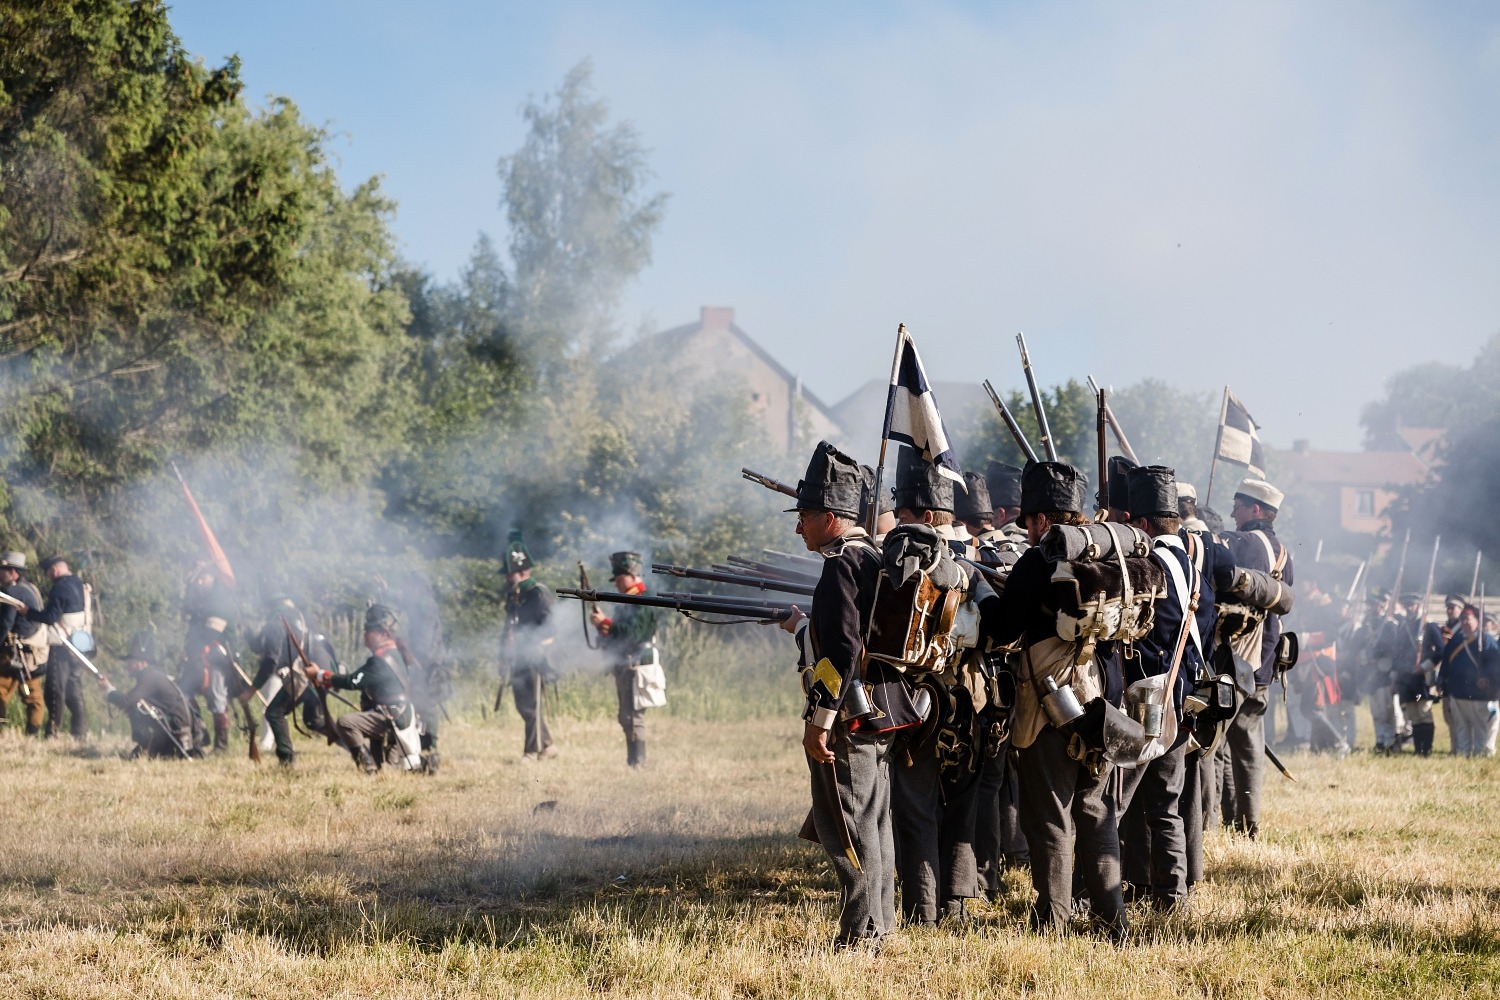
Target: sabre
(1271,756)
(1010,422)
(155,715)
(1036,400)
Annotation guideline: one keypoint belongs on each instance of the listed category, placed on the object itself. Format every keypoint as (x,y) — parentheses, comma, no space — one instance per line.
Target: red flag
(215,552)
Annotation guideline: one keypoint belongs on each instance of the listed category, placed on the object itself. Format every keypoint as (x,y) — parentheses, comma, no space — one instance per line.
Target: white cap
(1187,491)
(1261,492)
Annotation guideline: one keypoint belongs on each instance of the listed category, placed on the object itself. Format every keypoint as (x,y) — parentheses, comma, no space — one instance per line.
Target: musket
(774,572)
(1114,425)
(1010,422)
(1271,756)
(215,551)
(584,609)
(723,599)
(1100,421)
(1437,540)
(774,485)
(1036,400)
(1395,595)
(738,579)
(245,707)
(791,558)
(1474,582)
(755,612)
(1359,575)
(329,732)
(151,711)
(81,658)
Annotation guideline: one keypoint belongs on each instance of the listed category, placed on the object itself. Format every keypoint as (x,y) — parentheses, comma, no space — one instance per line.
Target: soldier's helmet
(833,482)
(143,646)
(378,616)
(625,564)
(919,484)
(517,556)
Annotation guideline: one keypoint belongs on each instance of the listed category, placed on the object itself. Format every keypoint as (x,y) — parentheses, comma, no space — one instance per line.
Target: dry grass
(159,879)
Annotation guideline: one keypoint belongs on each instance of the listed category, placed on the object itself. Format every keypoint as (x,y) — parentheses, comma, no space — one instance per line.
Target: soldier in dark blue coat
(848,744)
(1254,546)
(524,640)
(64,613)
(1470,677)
(25,670)
(384,683)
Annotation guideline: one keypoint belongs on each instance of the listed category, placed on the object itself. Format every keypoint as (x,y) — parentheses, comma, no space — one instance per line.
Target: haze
(1298,199)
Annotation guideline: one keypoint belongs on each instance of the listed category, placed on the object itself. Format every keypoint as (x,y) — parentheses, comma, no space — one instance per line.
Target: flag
(911,413)
(1238,440)
(215,552)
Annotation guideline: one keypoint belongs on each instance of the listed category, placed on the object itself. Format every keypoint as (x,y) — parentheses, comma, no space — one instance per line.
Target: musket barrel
(1010,422)
(738,579)
(774,485)
(1036,400)
(758,612)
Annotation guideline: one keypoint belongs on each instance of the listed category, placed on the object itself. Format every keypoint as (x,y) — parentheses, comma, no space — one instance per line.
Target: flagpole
(1474,583)
(1218,443)
(873,514)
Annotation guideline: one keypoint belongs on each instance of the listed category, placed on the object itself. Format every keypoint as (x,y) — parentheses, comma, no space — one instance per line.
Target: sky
(1295,199)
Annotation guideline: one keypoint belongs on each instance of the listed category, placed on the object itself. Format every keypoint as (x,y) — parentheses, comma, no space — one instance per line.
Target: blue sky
(1298,199)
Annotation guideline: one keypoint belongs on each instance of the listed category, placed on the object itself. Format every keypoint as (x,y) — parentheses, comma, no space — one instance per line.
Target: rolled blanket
(1092,542)
(1260,589)
(913,548)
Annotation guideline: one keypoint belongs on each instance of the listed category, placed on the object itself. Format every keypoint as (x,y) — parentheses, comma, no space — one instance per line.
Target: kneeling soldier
(382,681)
(158,712)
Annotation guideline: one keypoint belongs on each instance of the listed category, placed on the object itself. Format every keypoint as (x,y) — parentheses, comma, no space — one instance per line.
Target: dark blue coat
(1248,552)
(1471,667)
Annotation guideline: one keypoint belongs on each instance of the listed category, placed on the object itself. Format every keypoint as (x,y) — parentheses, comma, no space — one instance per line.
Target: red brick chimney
(716,317)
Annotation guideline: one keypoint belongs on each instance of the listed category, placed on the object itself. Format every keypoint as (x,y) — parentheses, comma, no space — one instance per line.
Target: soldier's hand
(815,742)
(596,618)
(789,624)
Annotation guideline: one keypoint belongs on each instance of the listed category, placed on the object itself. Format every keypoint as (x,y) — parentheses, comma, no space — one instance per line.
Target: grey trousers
(1385,715)
(531,707)
(1208,790)
(1245,744)
(355,729)
(859,779)
(1472,726)
(916,822)
(997,825)
(632,720)
(1066,811)
(1191,807)
(1153,845)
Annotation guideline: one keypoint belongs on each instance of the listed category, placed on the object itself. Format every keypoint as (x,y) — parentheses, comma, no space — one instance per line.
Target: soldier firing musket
(738,579)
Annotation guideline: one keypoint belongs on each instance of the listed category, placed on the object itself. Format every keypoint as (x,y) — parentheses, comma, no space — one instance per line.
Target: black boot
(631,755)
(364,759)
(221,732)
(1421,737)
(640,753)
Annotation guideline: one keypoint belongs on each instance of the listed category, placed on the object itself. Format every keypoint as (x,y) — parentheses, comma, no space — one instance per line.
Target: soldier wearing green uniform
(384,685)
(628,640)
(524,640)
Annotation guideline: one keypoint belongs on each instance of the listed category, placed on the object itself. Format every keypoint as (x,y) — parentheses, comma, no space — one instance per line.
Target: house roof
(720,318)
(1354,468)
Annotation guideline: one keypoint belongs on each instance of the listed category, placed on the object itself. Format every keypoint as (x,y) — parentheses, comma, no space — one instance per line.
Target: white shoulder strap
(1184,592)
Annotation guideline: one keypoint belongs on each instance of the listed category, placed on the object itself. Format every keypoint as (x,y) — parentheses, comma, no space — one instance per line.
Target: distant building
(1352,491)
(715,348)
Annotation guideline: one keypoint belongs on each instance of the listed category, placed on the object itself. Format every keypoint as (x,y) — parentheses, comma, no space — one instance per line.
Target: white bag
(650,687)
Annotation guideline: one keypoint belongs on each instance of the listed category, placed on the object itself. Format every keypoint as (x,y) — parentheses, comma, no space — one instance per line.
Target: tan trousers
(36,711)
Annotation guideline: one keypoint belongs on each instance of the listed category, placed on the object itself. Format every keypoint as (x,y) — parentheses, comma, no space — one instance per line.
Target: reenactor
(1254,546)
(524,640)
(1470,678)
(972,509)
(932,814)
(850,719)
(208,671)
(629,641)
(384,684)
(158,712)
(65,613)
(279,674)
(1408,649)
(1066,811)
(426,651)
(1375,669)
(25,644)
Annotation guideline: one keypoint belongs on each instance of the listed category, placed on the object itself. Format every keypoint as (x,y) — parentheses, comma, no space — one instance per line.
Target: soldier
(65,612)
(1409,648)
(158,713)
(208,671)
(848,744)
(1158,859)
(527,634)
(1065,809)
(1118,501)
(384,684)
(628,640)
(972,509)
(1380,695)
(1254,546)
(25,644)
(279,675)
(932,815)
(1470,676)
(426,652)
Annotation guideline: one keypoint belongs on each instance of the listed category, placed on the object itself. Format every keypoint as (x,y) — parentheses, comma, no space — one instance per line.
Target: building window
(1364,503)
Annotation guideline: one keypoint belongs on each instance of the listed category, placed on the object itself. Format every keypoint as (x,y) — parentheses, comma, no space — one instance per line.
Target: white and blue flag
(911,413)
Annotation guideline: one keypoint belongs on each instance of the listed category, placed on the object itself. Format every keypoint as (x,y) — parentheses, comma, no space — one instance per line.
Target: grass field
(578,877)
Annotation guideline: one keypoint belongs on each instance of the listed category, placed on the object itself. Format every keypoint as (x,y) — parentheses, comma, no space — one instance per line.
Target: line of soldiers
(1080,696)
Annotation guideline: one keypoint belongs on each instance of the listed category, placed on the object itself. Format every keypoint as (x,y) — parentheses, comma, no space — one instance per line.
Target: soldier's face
(816,528)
